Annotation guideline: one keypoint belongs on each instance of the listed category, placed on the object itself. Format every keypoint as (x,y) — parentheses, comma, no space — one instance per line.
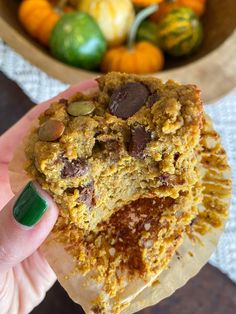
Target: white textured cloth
(39,87)
(35,83)
(223,113)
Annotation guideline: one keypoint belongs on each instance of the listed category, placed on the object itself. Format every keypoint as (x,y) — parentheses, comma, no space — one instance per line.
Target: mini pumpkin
(198,6)
(180,32)
(38,18)
(114,17)
(140,58)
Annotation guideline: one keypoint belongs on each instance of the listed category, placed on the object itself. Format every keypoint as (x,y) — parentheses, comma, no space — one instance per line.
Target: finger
(5,187)
(11,138)
(25,222)
(24,286)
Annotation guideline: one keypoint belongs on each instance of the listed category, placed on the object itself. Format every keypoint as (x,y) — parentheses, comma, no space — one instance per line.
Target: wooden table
(210,292)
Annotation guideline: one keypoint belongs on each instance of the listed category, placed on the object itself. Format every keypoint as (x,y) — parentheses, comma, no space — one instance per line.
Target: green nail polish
(29,207)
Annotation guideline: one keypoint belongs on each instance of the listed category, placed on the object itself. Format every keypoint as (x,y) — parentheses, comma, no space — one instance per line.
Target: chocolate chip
(87,194)
(152,99)
(74,168)
(128,99)
(176,156)
(139,140)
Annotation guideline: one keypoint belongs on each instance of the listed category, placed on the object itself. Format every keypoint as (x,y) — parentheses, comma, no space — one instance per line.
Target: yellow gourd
(113,17)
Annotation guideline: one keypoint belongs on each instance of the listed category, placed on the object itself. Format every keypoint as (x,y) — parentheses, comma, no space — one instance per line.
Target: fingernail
(29,207)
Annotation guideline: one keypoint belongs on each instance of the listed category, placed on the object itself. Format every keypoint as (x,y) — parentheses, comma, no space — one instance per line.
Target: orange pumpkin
(38,18)
(145,3)
(198,6)
(142,58)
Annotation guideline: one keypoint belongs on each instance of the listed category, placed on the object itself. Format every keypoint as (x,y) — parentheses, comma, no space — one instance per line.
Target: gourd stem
(140,17)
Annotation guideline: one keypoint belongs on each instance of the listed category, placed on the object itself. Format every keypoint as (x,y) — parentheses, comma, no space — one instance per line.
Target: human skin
(25,275)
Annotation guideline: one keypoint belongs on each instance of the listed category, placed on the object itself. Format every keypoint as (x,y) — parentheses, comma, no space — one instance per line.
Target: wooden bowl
(212,68)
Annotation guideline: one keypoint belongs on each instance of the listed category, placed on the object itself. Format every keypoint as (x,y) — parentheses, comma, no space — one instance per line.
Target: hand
(25,222)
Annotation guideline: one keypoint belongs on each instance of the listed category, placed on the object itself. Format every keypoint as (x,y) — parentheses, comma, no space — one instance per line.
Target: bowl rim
(201,72)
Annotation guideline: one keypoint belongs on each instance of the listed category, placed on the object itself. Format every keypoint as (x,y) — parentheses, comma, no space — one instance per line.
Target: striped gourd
(180,32)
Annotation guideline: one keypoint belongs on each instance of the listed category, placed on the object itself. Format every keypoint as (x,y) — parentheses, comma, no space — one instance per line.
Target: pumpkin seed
(80,108)
(51,130)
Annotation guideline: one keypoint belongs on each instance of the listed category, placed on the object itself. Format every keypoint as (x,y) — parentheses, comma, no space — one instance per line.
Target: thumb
(25,222)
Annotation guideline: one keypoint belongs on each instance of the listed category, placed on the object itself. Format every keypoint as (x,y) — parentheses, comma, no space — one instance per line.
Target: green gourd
(148,31)
(180,32)
(77,40)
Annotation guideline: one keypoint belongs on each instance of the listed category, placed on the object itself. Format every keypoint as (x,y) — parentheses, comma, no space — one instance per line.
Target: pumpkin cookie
(134,168)
(136,138)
